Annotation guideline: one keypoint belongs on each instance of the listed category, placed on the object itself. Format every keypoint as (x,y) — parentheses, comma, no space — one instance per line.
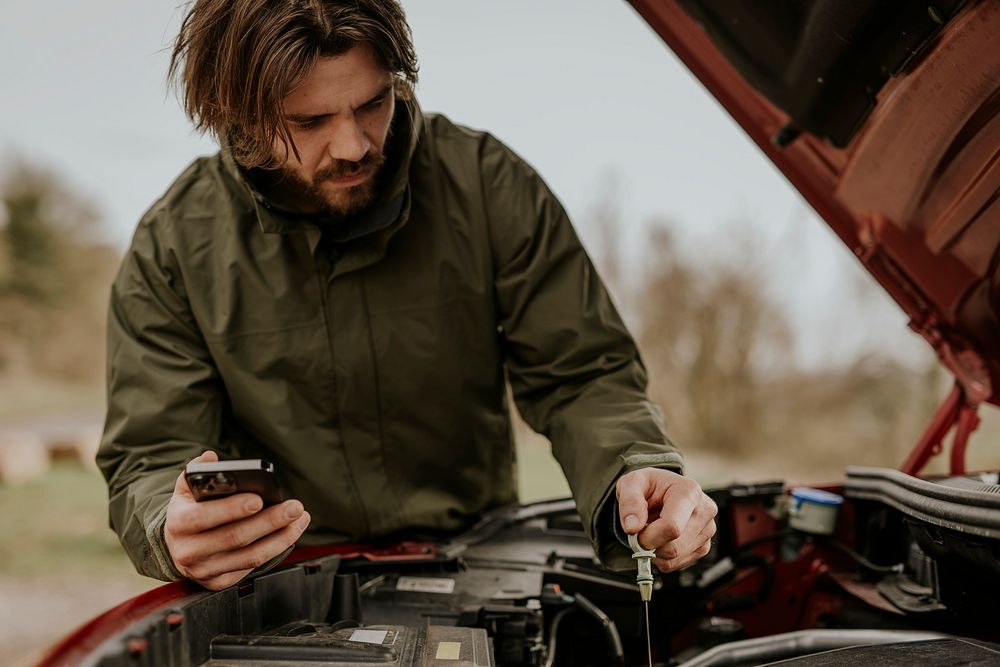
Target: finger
(223,581)
(631,491)
(246,559)
(190,551)
(699,528)
(682,500)
(698,532)
(238,534)
(675,516)
(181,487)
(191,518)
(247,531)
(253,555)
(688,559)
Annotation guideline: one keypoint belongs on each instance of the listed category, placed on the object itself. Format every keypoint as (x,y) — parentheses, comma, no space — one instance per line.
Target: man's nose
(349,141)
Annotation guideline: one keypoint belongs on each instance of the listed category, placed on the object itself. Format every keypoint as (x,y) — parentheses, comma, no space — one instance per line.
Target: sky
(582,89)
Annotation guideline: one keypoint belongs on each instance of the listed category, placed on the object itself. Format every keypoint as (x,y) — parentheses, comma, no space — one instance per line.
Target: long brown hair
(235,60)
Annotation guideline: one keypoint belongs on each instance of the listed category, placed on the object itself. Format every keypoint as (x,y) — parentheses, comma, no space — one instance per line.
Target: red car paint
(913,194)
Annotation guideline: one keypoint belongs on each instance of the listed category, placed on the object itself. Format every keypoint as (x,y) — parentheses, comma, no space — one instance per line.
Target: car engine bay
(906,573)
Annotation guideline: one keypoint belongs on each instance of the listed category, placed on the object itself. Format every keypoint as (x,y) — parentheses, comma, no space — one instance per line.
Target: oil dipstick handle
(644,577)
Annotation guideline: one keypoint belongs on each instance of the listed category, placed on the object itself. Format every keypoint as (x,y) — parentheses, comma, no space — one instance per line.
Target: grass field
(59,562)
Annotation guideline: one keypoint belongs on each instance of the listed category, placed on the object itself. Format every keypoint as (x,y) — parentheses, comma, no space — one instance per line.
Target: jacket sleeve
(574,369)
(165,398)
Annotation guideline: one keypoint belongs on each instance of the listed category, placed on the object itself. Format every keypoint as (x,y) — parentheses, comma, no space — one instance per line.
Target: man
(342,290)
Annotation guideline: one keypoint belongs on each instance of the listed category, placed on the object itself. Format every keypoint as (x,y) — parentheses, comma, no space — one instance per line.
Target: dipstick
(644,578)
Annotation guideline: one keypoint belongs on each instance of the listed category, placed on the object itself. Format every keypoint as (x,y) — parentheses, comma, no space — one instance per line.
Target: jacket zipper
(324,274)
(378,396)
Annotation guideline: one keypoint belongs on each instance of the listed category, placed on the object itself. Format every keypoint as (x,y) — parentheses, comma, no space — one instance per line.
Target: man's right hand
(218,542)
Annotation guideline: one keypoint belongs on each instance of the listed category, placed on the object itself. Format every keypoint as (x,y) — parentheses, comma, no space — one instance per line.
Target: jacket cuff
(159,555)
(609,540)
(616,526)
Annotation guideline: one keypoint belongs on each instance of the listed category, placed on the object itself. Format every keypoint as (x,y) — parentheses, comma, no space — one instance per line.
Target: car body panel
(913,192)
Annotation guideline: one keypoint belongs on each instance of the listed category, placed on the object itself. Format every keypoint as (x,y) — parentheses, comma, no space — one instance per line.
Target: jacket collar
(386,215)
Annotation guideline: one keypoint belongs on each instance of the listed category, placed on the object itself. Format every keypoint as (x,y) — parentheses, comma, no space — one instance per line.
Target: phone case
(218,479)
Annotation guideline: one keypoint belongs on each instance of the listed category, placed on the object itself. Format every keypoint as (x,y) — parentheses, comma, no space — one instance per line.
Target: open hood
(886,117)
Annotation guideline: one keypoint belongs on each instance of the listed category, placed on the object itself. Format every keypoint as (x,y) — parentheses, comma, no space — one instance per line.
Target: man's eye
(376,103)
(305,124)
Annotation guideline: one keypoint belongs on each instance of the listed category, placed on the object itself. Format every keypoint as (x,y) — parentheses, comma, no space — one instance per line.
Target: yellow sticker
(448,651)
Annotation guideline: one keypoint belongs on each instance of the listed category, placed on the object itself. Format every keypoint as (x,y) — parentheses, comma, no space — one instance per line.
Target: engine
(885,567)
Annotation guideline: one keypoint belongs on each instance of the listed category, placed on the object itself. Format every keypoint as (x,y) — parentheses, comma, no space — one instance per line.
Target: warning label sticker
(449,651)
(369,636)
(426,584)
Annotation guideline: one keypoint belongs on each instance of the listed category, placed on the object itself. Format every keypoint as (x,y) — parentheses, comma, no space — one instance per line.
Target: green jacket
(370,370)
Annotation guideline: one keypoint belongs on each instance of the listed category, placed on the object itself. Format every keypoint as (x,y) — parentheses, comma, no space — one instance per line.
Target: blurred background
(772,352)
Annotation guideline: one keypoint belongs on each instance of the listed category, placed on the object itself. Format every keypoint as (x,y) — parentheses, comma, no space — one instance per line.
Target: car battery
(320,644)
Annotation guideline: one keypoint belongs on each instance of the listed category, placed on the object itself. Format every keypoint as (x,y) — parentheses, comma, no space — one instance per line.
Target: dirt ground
(35,614)
(60,565)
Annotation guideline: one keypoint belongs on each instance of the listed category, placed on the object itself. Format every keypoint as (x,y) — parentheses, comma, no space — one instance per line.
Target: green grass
(56,525)
(538,475)
(31,398)
(60,564)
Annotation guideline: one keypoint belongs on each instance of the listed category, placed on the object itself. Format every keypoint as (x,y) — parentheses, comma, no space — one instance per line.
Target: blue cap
(804,494)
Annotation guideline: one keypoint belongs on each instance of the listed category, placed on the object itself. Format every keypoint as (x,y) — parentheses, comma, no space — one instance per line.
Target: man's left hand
(671,514)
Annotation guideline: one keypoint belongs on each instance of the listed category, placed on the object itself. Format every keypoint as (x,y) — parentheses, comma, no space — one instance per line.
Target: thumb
(632,505)
(181,486)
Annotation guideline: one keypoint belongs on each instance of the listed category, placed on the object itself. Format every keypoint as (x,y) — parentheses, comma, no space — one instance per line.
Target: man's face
(339,117)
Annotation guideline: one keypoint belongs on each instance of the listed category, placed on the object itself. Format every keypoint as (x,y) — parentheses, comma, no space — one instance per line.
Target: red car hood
(886,117)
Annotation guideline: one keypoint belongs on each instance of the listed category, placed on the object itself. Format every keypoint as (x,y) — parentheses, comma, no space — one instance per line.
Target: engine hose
(803,642)
(553,631)
(609,627)
(861,560)
(840,546)
(581,603)
(761,539)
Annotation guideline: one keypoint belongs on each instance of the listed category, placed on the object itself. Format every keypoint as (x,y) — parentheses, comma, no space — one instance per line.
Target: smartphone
(209,480)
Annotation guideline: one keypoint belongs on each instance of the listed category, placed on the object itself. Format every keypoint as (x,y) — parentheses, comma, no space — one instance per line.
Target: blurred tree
(606,216)
(717,340)
(44,220)
(53,277)
(709,330)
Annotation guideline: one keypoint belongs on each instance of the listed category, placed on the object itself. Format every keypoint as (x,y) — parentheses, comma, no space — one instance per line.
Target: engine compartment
(907,574)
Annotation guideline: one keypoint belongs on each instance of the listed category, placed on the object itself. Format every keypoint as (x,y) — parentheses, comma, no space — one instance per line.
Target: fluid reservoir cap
(814,511)
(816,496)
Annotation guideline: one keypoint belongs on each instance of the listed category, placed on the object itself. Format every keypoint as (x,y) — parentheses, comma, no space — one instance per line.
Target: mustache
(342,168)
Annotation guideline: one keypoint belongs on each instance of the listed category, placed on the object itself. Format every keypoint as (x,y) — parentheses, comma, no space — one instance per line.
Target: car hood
(886,117)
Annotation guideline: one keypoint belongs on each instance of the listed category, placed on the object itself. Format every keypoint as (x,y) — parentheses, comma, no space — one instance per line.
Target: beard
(320,196)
